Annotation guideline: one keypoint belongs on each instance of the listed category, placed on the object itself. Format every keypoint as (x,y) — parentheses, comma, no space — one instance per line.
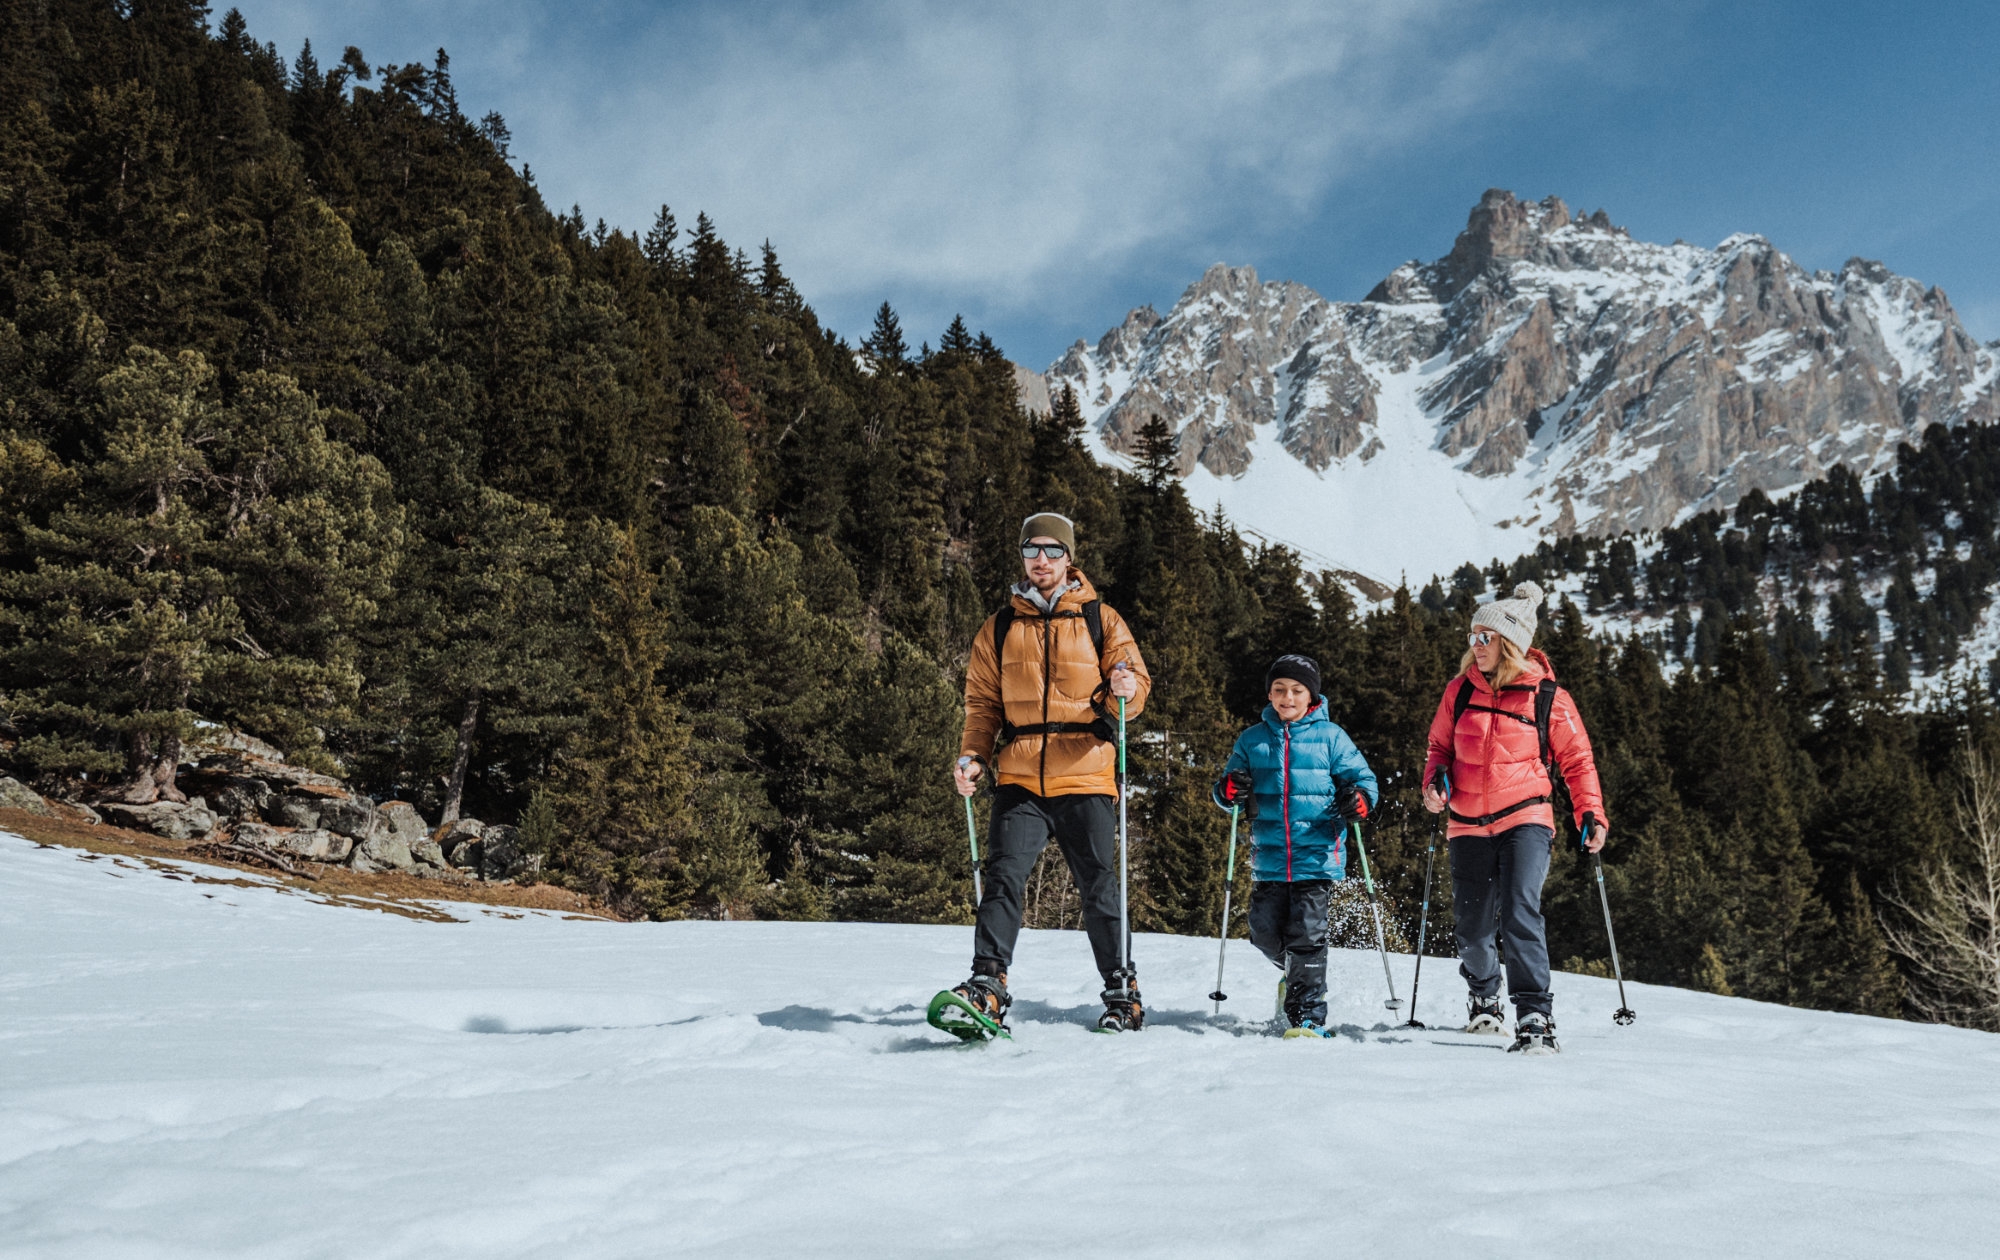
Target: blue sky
(1043,168)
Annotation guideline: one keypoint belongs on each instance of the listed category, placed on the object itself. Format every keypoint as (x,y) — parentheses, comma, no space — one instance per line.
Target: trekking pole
(1124,864)
(1375,908)
(1424,919)
(972,838)
(1228,886)
(1624,1014)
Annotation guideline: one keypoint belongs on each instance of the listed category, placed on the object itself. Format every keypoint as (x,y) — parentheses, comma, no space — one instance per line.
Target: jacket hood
(1315,716)
(1071,600)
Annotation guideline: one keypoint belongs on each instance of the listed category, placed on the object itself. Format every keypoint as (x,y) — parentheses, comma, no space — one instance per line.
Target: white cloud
(953,155)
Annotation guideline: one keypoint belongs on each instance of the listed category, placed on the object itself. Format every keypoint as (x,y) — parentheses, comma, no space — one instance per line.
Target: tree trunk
(152,776)
(455,790)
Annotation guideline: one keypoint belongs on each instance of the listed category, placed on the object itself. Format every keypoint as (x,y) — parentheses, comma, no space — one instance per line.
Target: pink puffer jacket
(1495,759)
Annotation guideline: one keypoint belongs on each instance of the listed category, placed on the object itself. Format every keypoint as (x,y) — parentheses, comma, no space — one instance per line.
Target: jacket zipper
(1048,627)
(1286,786)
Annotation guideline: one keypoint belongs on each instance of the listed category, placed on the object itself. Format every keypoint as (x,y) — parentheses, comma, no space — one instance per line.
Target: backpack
(1545,703)
(1093,621)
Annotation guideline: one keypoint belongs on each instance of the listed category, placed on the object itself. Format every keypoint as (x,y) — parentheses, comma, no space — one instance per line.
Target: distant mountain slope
(1549,375)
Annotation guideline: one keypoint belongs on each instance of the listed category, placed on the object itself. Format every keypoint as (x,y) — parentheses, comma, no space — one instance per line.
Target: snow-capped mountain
(1549,375)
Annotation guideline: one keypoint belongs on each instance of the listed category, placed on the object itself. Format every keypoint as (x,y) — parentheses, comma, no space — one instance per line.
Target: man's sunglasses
(1054,551)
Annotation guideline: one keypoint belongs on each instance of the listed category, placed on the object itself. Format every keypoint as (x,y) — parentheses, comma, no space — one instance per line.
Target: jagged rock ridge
(1610,384)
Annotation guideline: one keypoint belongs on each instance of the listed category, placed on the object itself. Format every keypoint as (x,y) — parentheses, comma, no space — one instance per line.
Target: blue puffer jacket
(1298,830)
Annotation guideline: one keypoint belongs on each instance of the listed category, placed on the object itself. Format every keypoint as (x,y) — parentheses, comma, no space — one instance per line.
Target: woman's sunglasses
(1054,551)
(1479,638)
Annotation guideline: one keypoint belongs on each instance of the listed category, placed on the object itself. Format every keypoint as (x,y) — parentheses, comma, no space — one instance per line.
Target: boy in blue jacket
(1298,777)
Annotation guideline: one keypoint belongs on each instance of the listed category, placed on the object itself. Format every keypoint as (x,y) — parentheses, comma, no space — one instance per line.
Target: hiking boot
(1534,1033)
(1485,1015)
(988,995)
(1123,1011)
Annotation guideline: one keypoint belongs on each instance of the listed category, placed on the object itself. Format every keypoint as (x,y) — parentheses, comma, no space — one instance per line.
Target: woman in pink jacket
(1490,766)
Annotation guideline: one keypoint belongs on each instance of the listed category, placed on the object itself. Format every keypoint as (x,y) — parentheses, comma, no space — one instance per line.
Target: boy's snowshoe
(1307,1028)
(1485,1015)
(973,1011)
(1123,1011)
(1534,1033)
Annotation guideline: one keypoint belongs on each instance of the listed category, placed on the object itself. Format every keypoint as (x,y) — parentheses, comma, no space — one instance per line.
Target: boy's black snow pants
(1086,828)
(1496,886)
(1288,923)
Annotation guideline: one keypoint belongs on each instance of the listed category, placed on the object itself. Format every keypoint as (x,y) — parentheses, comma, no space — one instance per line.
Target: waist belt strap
(1100,728)
(1483,819)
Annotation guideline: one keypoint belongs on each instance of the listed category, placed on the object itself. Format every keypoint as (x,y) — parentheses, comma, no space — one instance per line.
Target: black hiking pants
(1496,891)
(1288,925)
(1086,828)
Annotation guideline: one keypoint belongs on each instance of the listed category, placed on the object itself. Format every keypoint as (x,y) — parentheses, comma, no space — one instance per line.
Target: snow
(209,1070)
(1406,511)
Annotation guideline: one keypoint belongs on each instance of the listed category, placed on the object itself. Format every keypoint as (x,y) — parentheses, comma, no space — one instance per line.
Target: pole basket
(1623,1015)
(1218,996)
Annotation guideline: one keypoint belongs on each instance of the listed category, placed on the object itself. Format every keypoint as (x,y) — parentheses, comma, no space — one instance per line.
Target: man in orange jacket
(1045,697)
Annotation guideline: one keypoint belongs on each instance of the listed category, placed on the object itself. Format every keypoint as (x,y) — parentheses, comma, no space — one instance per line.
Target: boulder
(16,795)
(162,818)
(352,816)
(295,810)
(382,851)
(462,841)
(501,856)
(397,840)
(235,796)
(320,846)
(257,833)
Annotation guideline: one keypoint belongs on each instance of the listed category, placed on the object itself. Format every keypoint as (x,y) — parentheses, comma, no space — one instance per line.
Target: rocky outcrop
(244,796)
(1622,382)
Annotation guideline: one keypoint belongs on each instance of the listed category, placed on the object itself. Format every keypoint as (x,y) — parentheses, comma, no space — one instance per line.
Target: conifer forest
(319,422)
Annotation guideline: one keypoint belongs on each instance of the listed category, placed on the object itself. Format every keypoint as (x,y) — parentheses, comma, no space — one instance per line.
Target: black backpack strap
(1545,704)
(1093,620)
(1003,621)
(1461,702)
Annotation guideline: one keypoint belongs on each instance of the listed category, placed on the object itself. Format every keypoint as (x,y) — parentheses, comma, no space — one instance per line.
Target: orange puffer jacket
(1052,673)
(1495,759)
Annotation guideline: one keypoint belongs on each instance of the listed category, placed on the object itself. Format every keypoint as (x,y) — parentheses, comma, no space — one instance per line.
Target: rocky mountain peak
(1554,372)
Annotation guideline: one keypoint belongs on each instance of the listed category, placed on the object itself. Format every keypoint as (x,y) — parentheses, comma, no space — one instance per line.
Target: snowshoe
(973,1011)
(1485,1015)
(1307,1028)
(1123,1011)
(1534,1033)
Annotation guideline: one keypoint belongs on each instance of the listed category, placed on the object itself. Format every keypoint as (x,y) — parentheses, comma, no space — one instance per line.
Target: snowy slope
(203,1070)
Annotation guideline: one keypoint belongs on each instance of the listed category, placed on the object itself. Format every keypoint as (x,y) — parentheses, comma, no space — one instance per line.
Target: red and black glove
(1358,807)
(1236,787)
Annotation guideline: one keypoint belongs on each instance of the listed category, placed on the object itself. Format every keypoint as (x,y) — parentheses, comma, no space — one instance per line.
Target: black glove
(1236,787)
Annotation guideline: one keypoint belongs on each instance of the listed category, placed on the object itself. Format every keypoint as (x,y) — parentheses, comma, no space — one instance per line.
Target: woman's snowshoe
(1485,1015)
(1534,1033)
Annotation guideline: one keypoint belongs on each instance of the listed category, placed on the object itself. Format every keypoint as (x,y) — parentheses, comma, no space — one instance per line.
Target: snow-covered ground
(204,1070)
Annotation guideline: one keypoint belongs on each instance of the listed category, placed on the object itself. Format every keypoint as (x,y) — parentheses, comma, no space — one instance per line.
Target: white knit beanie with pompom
(1512,619)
